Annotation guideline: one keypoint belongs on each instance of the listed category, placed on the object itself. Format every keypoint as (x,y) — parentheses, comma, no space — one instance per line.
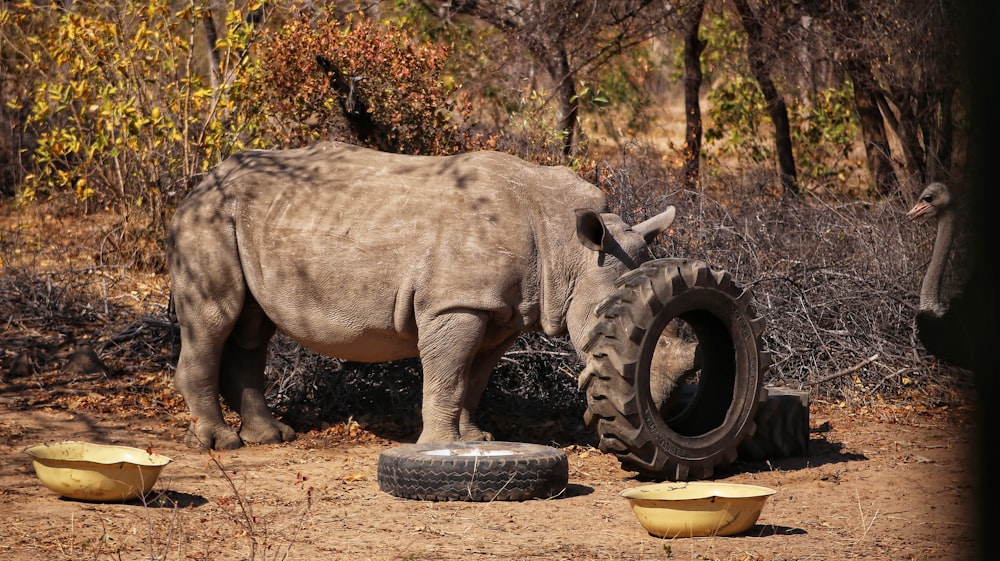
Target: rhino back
(341,244)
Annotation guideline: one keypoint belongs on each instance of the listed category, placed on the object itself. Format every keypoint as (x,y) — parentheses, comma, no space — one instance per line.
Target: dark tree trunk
(756,53)
(693,47)
(569,105)
(549,49)
(940,151)
(876,141)
(911,80)
(355,109)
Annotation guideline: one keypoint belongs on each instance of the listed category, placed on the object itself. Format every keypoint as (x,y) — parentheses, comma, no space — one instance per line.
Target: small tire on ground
(473,471)
(782,427)
(707,415)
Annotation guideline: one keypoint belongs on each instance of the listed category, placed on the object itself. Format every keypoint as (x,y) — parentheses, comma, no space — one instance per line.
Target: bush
(399,85)
(130,108)
(120,112)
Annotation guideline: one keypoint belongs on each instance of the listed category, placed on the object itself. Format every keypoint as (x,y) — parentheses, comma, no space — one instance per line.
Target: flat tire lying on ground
(473,471)
(699,426)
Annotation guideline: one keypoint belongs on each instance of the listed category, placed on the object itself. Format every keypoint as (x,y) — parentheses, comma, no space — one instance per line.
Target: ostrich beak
(918,210)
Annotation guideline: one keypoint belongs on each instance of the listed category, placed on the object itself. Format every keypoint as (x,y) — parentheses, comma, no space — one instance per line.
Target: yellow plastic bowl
(697,508)
(96,472)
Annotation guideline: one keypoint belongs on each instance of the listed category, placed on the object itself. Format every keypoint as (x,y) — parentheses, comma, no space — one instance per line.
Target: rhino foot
(270,431)
(469,433)
(475,435)
(203,436)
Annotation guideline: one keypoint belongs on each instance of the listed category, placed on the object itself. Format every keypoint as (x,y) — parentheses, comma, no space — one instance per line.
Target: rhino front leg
(448,346)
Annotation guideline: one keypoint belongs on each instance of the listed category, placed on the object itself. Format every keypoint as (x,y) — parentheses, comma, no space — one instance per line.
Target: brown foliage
(398,82)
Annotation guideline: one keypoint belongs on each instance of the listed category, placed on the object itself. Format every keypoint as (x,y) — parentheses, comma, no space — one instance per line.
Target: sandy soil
(889,484)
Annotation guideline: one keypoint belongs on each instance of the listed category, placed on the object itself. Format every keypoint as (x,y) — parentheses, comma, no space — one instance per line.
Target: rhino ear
(652,227)
(590,229)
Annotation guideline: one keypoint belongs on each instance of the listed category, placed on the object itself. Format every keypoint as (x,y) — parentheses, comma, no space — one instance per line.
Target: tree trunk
(212,38)
(905,126)
(756,53)
(876,141)
(569,105)
(354,107)
(693,47)
(940,151)
(522,23)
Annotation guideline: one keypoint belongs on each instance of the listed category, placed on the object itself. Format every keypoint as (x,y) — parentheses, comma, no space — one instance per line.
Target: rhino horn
(651,227)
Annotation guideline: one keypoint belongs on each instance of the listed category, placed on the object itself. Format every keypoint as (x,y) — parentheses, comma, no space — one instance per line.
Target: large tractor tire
(686,427)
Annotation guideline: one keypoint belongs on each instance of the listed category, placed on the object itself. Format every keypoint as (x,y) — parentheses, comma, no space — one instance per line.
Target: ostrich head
(934,199)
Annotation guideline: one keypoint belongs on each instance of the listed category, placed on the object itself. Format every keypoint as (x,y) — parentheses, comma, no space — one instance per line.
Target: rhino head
(611,249)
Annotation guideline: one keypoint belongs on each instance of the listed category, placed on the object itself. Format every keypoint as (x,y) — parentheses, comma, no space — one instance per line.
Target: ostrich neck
(930,289)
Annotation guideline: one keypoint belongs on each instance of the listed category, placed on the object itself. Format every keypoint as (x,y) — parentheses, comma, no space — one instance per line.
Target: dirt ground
(889,484)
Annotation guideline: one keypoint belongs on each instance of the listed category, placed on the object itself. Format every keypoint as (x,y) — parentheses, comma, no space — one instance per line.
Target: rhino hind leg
(242,386)
(197,380)
(242,379)
(224,331)
(204,435)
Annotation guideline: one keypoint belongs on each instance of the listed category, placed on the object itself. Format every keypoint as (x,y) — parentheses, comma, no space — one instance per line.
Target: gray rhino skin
(370,256)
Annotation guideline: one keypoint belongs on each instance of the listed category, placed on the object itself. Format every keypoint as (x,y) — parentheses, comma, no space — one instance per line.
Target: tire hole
(692,374)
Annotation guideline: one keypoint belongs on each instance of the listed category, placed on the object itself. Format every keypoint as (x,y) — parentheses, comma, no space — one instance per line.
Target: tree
(566,36)
(117,106)
(867,98)
(757,53)
(693,47)
(358,80)
(902,57)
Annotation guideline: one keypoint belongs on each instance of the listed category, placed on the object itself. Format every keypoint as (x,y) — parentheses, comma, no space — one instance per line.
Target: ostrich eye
(926,198)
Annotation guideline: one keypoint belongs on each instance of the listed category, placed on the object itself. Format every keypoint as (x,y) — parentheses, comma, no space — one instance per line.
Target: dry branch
(843,372)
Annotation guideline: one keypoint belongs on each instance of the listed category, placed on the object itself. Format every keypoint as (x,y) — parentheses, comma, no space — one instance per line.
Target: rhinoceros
(370,256)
